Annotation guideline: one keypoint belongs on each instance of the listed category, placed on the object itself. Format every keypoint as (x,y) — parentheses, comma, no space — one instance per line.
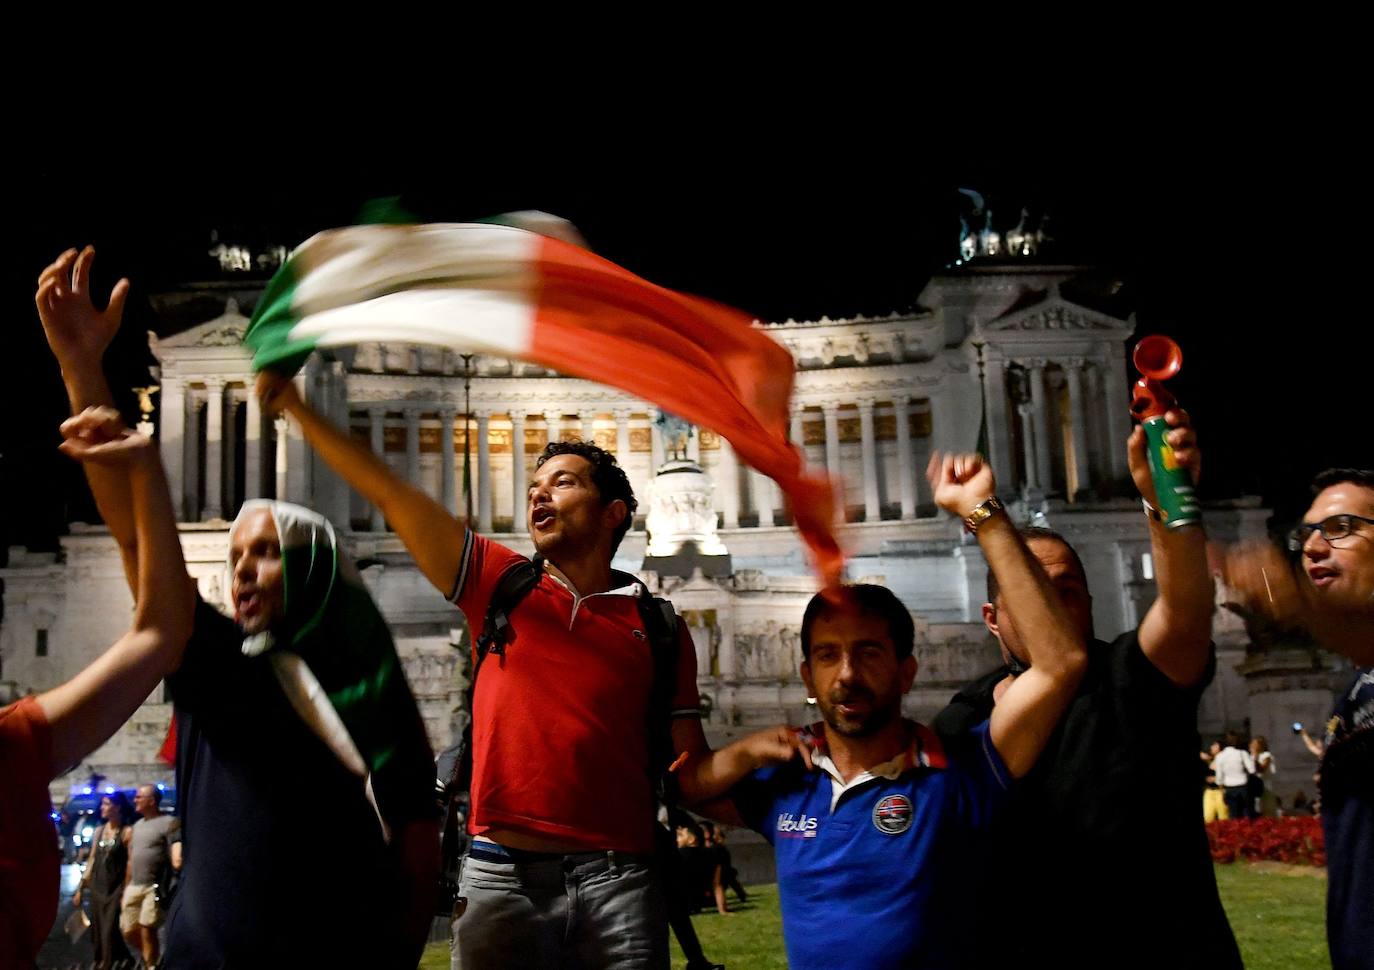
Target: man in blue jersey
(872,823)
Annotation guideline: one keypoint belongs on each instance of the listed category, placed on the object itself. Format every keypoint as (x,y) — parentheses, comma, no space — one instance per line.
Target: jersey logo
(791,827)
(892,815)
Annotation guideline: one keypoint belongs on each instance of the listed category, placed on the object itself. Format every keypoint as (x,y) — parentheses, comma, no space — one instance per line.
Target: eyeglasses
(1332,528)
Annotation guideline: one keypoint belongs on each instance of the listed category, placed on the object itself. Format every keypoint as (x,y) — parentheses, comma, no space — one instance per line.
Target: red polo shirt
(560,749)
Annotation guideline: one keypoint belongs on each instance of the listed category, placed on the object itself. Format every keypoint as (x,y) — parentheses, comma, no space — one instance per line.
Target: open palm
(77,332)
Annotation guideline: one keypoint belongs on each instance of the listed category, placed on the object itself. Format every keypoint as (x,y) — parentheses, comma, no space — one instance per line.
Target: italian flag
(485,288)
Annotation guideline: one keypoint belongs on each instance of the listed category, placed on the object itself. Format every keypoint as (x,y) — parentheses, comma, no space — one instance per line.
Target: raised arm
(90,707)
(711,774)
(431,533)
(79,335)
(1177,628)
(1027,713)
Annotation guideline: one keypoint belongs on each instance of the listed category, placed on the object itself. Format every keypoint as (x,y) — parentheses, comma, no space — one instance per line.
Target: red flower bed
(1295,839)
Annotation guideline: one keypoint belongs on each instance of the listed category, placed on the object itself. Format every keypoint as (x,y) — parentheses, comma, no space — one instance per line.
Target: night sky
(1237,263)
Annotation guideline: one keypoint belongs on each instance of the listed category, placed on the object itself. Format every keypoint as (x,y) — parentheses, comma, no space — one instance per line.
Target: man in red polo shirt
(559,873)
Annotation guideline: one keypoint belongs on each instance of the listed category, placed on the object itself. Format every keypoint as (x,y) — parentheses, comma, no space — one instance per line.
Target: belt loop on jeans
(610,861)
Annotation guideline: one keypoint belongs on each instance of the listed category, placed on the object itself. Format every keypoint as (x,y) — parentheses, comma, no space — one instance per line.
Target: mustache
(841,695)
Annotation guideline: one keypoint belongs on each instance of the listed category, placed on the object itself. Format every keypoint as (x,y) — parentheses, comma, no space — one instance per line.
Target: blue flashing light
(161,786)
(109,789)
(86,790)
(54,816)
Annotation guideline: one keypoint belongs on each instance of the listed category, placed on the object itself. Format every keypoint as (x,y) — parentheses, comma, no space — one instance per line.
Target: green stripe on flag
(274,318)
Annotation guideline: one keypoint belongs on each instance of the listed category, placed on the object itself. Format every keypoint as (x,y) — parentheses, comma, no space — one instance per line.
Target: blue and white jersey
(873,873)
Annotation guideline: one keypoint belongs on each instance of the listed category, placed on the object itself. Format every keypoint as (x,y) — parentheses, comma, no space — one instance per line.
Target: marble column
(797,431)
(553,421)
(656,457)
(1117,409)
(171,435)
(519,500)
(1082,463)
(214,450)
(448,489)
(622,436)
(412,445)
(995,411)
(300,481)
(831,411)
(281,429)
(587,426)
(694,445)
(376,436)
(763,496)
(232,400)
(906,469)
(727,478)
(1027,412)
(1041,411)
(484,471)
(869,458)
(195,400)
(252,446)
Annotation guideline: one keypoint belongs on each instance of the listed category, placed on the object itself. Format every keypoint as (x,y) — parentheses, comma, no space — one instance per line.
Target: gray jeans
(593,911)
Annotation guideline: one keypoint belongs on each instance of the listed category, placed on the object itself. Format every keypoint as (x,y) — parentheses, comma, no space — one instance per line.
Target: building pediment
(1052,313)
(225,330)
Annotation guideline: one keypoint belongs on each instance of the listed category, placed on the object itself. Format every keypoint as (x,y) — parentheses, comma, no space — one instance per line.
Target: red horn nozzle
(1157,357)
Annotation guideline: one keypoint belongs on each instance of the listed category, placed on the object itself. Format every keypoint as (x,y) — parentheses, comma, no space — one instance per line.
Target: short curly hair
(609,478)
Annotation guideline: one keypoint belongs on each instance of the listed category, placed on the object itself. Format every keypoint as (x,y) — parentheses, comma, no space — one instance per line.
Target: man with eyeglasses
(1330,591)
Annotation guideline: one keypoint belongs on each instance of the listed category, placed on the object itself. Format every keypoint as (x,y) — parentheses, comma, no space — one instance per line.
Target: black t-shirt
(1102,859)
(285,864)
(1347,791)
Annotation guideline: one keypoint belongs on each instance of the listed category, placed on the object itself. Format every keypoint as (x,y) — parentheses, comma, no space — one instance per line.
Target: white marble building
(874,397)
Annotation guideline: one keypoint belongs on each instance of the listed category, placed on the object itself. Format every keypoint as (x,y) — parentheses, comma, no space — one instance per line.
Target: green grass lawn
(1277,912)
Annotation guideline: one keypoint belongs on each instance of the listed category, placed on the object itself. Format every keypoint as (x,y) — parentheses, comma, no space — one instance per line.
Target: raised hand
(777,745)
(77,332)
(98,435)
(276,392)
(1181,438)
(960,482)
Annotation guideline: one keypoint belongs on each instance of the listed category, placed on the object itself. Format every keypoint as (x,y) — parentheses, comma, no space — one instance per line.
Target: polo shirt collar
(923,750)
(629,589)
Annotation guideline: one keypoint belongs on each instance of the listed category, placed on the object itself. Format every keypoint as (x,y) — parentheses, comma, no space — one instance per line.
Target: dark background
(1251,261)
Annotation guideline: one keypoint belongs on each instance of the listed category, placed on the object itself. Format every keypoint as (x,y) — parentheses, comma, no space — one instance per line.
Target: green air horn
(1158,358)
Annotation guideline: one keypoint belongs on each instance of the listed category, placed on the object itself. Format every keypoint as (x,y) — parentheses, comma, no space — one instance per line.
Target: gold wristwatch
(981,514)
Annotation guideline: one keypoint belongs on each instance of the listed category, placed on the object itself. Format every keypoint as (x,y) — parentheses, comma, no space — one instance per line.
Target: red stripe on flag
(702,361)
(167,754)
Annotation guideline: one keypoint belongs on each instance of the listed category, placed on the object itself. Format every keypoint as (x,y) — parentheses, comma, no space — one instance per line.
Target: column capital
(281,424)
(517,417)
(482,414)
(376,411)
(1073,364)
(830,408)
(1036,363)
(214,384)
(553,417)
(865,405)
(901,400)
(622,414)
(412,412)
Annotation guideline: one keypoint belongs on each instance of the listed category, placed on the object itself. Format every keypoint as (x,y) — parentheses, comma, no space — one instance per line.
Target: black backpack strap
(660,626)
(513,586)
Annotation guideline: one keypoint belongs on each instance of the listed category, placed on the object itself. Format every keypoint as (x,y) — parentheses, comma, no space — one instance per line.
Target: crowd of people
(1009,829)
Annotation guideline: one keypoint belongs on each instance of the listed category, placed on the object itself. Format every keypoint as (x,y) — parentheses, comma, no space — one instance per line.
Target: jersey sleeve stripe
(463,563)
